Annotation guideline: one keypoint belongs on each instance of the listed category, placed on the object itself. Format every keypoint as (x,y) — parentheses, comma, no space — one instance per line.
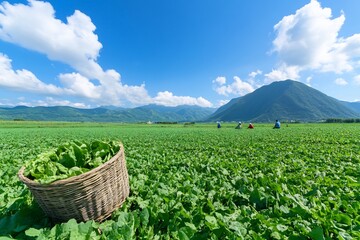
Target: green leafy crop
(199,182)
(70,159)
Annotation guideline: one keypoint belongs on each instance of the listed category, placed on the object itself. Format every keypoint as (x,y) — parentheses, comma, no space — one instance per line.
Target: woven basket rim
(82,176)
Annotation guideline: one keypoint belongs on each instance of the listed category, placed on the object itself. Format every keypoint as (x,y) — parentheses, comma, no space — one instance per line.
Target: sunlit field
(199,182)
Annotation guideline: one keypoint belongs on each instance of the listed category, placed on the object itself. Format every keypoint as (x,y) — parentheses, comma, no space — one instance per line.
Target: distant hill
(152,113)
(284,100)
(355,106)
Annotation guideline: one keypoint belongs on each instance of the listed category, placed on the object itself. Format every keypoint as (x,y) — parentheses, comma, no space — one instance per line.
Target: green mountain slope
(152,113)
(355,106)
(285,100)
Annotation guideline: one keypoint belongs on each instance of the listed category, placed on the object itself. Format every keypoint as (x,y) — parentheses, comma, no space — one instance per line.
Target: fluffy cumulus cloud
(168,99)
(255,73)
(49,101)
(256,78)
(74,42)
(80,85)
(35,27)
(23,79)
(282,73)
(237,87)
(46,102)
(309,40)
(220,81)
(341,82)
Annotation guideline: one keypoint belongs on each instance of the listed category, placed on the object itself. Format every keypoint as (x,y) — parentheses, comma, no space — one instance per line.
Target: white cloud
(341,82)
(222,102)
(23,80)
(282,73)
(306,37)
(254,80)
(74,84)
(220,80)
(168,99)
(309,40)
(237,87)
(255,73)
(49,101)
(74,42)
(80,85)
(308,79)
(137,95)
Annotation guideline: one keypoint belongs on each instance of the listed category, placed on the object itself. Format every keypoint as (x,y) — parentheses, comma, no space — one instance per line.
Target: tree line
(340,120)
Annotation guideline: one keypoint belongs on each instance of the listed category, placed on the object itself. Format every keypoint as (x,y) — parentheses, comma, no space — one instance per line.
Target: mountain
(152,113)
(113,107)
(187,113)
(355,106)
(283,100)
(5,106)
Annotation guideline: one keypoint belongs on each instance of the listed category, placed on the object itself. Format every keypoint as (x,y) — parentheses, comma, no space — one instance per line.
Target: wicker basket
(91,195)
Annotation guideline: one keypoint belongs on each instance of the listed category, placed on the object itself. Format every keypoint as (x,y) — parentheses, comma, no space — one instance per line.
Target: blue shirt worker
(277,124)
(218,125)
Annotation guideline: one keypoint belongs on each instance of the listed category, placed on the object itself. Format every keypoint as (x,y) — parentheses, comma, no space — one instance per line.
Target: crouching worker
(238,126)
(277,124)
(251,126)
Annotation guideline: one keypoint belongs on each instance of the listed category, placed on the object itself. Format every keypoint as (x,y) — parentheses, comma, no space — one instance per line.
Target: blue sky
(130,53)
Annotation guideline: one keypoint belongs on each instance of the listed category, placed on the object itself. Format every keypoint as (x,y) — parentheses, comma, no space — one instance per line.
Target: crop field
(200,182)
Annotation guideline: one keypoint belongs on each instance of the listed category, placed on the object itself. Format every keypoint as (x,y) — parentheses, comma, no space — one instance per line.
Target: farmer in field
(238,126)
(218,125)
(251,126)
(277,124)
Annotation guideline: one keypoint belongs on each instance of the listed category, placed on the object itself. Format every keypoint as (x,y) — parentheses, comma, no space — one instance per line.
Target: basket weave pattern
(91,195)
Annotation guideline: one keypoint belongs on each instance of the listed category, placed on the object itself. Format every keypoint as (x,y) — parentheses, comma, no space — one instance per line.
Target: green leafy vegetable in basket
(70,159)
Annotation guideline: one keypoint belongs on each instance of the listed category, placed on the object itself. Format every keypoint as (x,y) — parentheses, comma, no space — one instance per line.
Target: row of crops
(200,182)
